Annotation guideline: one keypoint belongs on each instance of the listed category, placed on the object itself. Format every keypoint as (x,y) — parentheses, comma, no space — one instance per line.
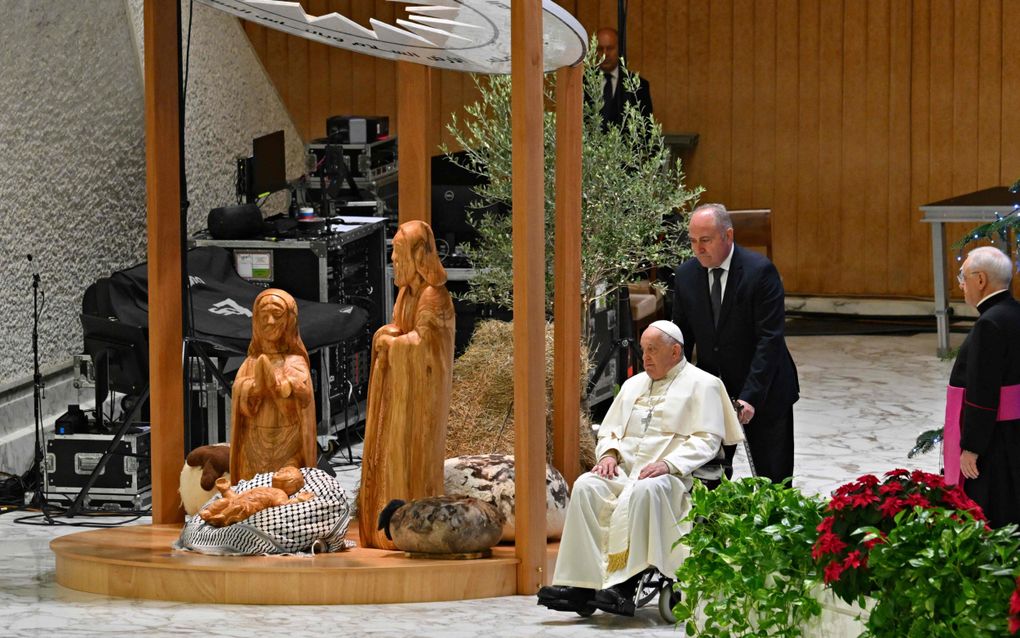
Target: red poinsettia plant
(842,548)
(1014,609)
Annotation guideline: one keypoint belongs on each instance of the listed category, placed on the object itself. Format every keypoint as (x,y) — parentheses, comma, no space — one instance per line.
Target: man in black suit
(987,370)
(729,303)
(614,90)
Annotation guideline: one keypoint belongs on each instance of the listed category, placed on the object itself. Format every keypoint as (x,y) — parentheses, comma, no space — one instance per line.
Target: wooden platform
(138,562)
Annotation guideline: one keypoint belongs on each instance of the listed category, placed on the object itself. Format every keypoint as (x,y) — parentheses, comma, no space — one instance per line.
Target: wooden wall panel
(877,261)
(920,137)
(811,264)
(842,116)
(902,225)
(828,231)
(787,178)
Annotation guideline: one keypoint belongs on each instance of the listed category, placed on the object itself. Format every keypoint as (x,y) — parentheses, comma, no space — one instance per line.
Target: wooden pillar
(567,274)
(163,202)
(529,292)
(414,121)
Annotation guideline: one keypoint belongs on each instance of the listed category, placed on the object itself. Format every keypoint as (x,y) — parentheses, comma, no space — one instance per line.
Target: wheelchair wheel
(668,598)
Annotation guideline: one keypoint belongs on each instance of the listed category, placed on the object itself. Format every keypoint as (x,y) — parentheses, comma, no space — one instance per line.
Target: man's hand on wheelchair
(654,469)
(606,467)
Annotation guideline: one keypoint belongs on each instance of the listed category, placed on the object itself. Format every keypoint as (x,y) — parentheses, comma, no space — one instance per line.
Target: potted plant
(750,569)
(938,573)
(842,550)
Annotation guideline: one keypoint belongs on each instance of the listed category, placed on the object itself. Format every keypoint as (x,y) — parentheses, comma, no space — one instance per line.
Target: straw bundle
(481,403)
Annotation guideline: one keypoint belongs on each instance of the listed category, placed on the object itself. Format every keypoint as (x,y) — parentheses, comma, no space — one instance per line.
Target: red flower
(826,524)
(868,480)
(1014,602)
(827,543)
(916,499)
(891,506)
(853,560)
(897,472)
(1014,624)
(892,487)
(839,502)
(863,499)
(924,478)
(845,489)
(832,571)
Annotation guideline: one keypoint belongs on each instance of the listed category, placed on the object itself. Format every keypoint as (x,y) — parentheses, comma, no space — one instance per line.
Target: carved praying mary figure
(409,387)
(273,414)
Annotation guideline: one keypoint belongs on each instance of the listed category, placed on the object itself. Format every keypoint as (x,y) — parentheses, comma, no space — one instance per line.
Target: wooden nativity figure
(272,407)
(409,387)
(234,507)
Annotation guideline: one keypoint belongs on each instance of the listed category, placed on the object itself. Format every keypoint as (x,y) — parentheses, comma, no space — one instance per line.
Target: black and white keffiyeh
(286,529)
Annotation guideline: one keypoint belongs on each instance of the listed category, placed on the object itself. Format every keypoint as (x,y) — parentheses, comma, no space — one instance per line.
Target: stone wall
(72,166)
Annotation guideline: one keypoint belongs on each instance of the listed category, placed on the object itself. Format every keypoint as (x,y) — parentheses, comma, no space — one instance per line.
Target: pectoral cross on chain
(647,420)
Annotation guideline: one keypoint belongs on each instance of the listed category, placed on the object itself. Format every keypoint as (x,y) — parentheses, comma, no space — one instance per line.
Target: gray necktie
(716,293)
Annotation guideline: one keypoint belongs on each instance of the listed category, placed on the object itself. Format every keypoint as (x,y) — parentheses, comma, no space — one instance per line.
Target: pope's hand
(654,469)
(606,467)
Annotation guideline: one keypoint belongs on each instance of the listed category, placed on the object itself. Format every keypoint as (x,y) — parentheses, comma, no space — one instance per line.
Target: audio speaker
(235,222)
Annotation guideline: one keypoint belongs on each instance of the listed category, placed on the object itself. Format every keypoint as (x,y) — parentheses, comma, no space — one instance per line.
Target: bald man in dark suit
(729,303)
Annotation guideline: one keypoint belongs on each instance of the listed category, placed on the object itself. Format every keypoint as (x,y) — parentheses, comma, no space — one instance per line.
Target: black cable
(52,519)
(187,56)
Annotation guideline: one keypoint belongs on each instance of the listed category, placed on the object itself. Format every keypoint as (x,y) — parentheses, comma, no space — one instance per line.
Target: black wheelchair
(654,585)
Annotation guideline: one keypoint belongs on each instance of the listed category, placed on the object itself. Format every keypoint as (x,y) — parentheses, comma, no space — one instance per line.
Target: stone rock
(446,525)
(490,478)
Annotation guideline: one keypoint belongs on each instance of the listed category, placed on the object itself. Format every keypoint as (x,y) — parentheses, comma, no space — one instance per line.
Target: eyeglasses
(962,276)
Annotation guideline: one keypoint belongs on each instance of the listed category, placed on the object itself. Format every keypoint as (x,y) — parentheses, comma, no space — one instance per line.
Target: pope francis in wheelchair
(665,428)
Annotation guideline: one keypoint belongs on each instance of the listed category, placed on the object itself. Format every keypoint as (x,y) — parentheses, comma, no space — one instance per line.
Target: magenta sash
(1009,410)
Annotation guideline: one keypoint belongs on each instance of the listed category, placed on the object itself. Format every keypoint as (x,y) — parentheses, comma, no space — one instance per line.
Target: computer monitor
(268,164)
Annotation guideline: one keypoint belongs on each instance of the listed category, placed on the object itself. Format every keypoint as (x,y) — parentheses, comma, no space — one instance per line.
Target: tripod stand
(38,393)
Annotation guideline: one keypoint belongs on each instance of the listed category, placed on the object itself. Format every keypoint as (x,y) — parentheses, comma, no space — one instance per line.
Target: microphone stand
(38,393)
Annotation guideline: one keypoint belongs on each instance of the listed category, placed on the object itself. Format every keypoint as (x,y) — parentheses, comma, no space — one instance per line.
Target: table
(979,207)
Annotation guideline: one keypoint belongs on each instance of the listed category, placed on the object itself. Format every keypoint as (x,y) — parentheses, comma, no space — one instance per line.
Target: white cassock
(617,527)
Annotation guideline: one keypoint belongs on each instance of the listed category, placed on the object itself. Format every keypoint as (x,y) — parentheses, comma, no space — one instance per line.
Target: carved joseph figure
(409,388)
(273,414)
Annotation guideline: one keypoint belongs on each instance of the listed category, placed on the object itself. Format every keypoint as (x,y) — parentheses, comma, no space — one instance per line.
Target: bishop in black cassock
(987,373)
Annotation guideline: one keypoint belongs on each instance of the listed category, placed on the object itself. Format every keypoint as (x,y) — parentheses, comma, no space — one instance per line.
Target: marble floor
(863,401)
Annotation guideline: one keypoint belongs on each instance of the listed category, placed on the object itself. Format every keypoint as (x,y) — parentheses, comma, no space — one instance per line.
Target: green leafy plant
(750,570)
(630,192)
(842,551)
(940,574)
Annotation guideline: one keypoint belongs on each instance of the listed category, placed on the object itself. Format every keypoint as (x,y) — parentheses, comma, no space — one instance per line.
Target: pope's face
(272,317)
(403,262)
(658,354)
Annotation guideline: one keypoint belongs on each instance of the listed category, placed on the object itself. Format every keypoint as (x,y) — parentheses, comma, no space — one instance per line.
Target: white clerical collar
(990,295)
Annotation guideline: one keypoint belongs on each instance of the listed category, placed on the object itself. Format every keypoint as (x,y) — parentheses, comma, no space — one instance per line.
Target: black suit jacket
(747,350)
(612,112)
